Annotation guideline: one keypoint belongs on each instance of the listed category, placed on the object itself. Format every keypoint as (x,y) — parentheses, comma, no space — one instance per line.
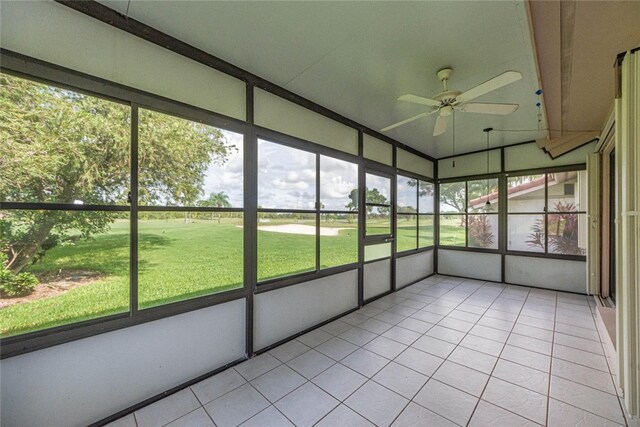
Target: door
(379,232)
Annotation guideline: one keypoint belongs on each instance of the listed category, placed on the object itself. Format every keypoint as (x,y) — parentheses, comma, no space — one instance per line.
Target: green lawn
(451,232)
(177,261)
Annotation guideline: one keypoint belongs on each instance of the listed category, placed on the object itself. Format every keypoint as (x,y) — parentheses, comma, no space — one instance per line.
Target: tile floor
(442,352)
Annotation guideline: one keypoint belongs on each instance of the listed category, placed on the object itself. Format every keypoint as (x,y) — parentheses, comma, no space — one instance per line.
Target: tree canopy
(216,200)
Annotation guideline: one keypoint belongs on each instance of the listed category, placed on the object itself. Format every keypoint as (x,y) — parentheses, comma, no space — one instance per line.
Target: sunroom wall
(520,269)
(74,383)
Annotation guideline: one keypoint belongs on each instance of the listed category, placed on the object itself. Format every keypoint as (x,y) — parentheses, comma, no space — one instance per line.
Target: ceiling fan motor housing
(445,74)
(448,97)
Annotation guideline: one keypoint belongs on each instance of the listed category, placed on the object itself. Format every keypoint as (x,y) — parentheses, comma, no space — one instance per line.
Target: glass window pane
(452,230)
(184,255)
(407,234)
(372,252)
(480,192)
(567,191)
(407,197)
(452,197)
(483,231)
(286,244)
(378,189)
(378,221)
(426,191)
(186,163)
(78,268)
(224,179)
(338,239)
(338,185)
(567,233)
(525,233)
(60,146)
(286,177)
(425,230)
(525,193)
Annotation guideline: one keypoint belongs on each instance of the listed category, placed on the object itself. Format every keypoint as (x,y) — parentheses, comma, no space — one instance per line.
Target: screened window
(286,177)
(546,213)
(307,213)
(414,213)
(69,264)
(378,205)
(197,249)
(469,214)
(338,212)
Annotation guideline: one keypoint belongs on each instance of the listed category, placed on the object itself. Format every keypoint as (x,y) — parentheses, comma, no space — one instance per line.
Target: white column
(593,222)
(628,250)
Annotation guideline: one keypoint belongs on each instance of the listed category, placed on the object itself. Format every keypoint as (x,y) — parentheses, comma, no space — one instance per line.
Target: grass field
(451,232)
(177,261)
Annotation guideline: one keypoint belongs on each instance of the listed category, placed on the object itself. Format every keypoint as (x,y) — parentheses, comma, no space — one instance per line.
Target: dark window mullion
(318,212)
(466,214)
(418,213)
(133,224)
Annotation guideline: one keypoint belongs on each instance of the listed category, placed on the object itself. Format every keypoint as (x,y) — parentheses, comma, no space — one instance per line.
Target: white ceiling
(356,58)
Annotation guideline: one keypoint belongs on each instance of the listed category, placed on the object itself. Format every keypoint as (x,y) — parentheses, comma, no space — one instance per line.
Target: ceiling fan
(446,101)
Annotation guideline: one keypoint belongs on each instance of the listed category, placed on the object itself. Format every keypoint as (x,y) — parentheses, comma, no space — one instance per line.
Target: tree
(65,147)
(353,200)
(216,200)
(453,195)
(424,188)
(374,196)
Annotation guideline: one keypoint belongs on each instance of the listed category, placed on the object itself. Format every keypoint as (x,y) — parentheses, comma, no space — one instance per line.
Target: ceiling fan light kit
(447,101)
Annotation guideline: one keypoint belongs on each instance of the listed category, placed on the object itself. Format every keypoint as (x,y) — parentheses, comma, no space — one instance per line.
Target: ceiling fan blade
(490,85)
(486,108)
(410,119)
(419,100)
(441,125)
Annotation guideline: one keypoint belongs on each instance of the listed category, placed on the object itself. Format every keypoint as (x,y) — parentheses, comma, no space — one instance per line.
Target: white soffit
(356,58)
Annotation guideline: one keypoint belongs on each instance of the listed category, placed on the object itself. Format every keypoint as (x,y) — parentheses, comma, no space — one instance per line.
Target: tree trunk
(25,254)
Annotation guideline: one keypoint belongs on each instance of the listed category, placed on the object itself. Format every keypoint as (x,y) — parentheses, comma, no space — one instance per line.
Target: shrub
(12,285)
(480,234)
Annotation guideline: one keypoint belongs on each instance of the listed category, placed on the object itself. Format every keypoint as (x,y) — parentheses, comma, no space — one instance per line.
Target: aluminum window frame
(545,213)
(499,214)
(419,178)
(274,137)
(40,71)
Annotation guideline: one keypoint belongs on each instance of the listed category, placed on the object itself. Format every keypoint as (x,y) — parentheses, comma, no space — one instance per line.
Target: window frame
(433,214)
(40,71)
(274,137)
(545,213)
(499,214)
(44,73)
(502,183)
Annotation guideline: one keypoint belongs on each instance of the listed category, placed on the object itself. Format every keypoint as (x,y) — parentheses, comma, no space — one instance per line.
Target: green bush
(12,285)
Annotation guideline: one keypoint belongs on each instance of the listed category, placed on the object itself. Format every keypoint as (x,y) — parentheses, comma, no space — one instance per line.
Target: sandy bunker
(301,229)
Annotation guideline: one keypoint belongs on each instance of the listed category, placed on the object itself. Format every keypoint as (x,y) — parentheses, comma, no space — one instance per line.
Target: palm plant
(216,200)
(562,226)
